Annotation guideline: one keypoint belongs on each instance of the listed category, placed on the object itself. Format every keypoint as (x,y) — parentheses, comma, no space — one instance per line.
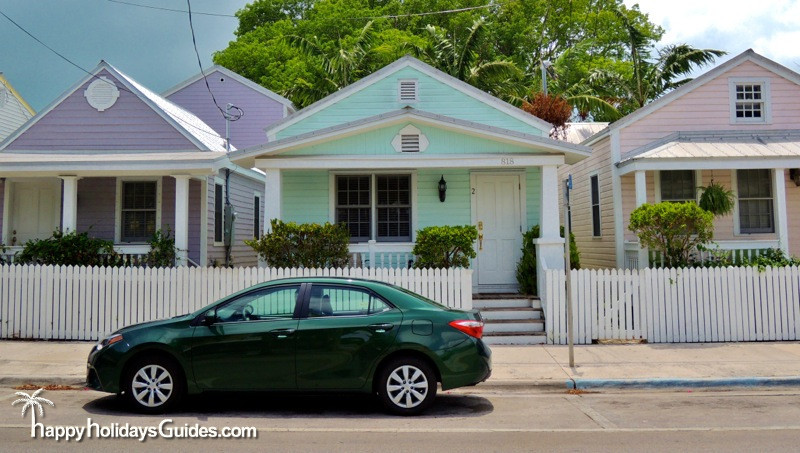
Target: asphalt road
(758,420)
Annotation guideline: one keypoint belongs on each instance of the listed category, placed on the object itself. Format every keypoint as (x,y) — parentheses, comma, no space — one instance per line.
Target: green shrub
(76,249)
(717,200)
(2,251)
(309,245)
(526,268)
(445,246)
(672,229)
(768,258)
(162,250)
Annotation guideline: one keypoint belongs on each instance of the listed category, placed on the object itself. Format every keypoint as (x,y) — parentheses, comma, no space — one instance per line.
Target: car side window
(265,303)
(343,301)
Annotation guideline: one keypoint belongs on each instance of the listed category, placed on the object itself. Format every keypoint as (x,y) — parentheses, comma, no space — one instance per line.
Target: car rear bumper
(467,364)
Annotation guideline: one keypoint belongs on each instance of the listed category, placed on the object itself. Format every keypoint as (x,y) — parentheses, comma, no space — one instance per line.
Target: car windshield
(421,298)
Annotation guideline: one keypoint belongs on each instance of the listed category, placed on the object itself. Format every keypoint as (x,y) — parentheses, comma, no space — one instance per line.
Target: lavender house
(113,158)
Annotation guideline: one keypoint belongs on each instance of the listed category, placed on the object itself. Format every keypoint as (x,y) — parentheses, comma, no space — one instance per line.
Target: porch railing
(381,255)
(130,254)
(739,251)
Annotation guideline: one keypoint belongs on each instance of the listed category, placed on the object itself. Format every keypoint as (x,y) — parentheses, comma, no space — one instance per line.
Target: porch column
(640,181)
(181,219)
(781,222)
(272,197)
(69,207)
(550,245)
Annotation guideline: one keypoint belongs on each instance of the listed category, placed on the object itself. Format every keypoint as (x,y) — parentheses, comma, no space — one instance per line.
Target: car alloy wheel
(153,385)
(407,386)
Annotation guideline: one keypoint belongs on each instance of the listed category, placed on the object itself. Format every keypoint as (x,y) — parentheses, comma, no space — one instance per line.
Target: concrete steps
(511,319)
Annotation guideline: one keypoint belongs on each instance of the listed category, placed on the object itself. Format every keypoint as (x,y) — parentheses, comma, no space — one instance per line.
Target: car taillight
(469,327)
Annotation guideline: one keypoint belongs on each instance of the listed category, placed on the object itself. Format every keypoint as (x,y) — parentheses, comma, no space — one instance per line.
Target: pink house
(738,124)
(113,158)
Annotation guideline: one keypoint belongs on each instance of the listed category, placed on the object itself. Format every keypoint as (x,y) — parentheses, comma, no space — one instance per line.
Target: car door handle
(381,327)
(282,333)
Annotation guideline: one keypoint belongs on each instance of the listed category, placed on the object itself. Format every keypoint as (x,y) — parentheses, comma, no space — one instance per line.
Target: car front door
(346,330)
(251,343)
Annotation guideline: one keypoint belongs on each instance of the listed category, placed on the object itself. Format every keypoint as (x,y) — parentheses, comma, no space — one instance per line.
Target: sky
(155,46)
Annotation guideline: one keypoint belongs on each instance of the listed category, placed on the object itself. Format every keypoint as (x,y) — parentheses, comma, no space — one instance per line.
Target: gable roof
(185,122)
(401,63)
(572,152)
(235,76)
(5,84)
(748,55)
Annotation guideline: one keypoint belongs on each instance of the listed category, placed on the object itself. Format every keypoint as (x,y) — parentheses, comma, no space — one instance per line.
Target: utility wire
(170,9)
(225,114)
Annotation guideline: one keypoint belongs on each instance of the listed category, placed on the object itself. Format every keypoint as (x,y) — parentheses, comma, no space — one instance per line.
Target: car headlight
(108,341)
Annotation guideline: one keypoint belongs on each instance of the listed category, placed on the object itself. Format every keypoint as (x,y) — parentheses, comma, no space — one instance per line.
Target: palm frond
(469,49)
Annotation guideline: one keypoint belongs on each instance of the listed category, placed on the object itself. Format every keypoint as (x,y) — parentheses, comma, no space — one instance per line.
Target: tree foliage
(526,267)
(445,246)
(70,249)
(673,229)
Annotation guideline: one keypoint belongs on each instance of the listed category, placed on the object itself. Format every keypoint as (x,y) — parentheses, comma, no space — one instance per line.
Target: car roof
(323,279)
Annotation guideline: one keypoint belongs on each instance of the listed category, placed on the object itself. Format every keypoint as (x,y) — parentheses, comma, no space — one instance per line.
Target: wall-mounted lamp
(442,189)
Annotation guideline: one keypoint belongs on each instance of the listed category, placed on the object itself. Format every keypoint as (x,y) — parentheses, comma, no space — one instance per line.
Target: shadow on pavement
(295,405)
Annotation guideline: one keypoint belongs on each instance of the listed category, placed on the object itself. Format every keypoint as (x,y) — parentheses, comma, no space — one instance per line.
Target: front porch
(125,209)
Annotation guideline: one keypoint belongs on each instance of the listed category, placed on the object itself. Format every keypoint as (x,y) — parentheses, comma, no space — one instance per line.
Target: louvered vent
(409,143)
(408,90)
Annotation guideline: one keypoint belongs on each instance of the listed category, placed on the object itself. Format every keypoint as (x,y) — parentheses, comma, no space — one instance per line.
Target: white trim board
(709,164)
(410,162)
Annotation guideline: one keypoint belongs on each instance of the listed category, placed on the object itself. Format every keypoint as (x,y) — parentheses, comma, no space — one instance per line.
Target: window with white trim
(594,183)
(678,185)
(138,210)
(219,203)
(407,90)
(387,213)
(756,211)
(749,100)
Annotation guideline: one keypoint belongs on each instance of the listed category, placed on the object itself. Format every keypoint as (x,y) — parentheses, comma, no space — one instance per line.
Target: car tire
(153,385)
(406,385)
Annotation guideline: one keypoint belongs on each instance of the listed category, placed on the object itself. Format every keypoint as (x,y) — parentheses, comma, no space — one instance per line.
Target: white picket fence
(676,305)
(86,303)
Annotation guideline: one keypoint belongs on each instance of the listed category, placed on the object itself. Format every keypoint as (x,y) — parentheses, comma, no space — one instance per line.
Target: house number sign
(506,161)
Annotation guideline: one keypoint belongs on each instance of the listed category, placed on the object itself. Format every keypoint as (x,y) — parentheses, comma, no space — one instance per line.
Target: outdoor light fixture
(442,189)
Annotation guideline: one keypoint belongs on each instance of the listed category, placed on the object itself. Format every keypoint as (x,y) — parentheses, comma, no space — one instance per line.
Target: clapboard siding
(708,108)
(13,113)
(596,252)
(456,209)
(381,97)
(129,124)
(241,197)
(259,110)
(305,196)
(533,183)
(379,142)
(97,207)
(793,215)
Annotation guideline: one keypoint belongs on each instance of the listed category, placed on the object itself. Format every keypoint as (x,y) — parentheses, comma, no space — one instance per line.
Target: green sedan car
(302,334)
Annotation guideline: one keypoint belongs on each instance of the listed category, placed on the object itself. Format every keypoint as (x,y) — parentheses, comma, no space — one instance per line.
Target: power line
(170,9)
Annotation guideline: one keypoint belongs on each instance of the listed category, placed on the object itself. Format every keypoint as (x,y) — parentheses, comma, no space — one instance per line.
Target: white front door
(499,220)
(35,210)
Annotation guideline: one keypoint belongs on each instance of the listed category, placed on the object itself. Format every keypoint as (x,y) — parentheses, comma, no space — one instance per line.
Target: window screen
(139,204)
(756,214)
(678,185)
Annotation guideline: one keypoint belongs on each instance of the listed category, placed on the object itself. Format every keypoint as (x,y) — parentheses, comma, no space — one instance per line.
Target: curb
(520,384)
(581,384)
(13,381)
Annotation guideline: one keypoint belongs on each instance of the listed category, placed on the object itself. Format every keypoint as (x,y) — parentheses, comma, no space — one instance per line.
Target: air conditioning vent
(408,90)
(409,143)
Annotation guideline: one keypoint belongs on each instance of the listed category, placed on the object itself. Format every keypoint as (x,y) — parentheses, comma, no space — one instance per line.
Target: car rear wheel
(406,386)
(153,385)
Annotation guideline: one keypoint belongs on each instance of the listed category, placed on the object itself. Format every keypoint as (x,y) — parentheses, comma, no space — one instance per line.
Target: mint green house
(377,154)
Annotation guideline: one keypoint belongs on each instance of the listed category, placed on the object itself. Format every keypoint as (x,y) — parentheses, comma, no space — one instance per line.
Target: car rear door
(251,345)
(343,331)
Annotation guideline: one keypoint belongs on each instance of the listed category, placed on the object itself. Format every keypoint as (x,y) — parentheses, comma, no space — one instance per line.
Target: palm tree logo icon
(32,402)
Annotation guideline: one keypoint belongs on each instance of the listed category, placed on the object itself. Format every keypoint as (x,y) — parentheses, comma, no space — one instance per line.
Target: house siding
(457,207)
(241,197)
(533,185)
(708,108)
(379,142)
(595,252)
(259,110)
(12,114)
(381,97)
(793,215)
(305,196)
(129,124)
(97,207)
(195,219)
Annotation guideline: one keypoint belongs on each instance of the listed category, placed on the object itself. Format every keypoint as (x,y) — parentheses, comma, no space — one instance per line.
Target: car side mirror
(208,318)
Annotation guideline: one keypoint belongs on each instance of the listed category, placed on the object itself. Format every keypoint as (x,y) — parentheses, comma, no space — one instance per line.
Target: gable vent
(409,143)
(408,90)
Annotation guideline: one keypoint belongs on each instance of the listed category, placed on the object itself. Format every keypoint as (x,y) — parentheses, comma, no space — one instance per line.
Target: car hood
(151,324)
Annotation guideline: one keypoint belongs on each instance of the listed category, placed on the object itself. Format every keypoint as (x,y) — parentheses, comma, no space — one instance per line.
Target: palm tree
(33,402)
(462,60)
(339,68)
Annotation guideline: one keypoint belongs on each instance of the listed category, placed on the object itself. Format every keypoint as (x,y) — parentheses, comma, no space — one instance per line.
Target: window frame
(333,202)
(257,215)
(219,182)
(305,306)
(298,304)
(598,232)
(766,113)
(119,201)
(660,186)
(738,210)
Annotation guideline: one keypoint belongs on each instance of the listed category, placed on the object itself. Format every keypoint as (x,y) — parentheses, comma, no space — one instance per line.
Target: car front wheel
(153,385)
(406,386)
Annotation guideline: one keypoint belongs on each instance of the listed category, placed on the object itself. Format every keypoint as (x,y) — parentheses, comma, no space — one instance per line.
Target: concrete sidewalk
(690,365)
